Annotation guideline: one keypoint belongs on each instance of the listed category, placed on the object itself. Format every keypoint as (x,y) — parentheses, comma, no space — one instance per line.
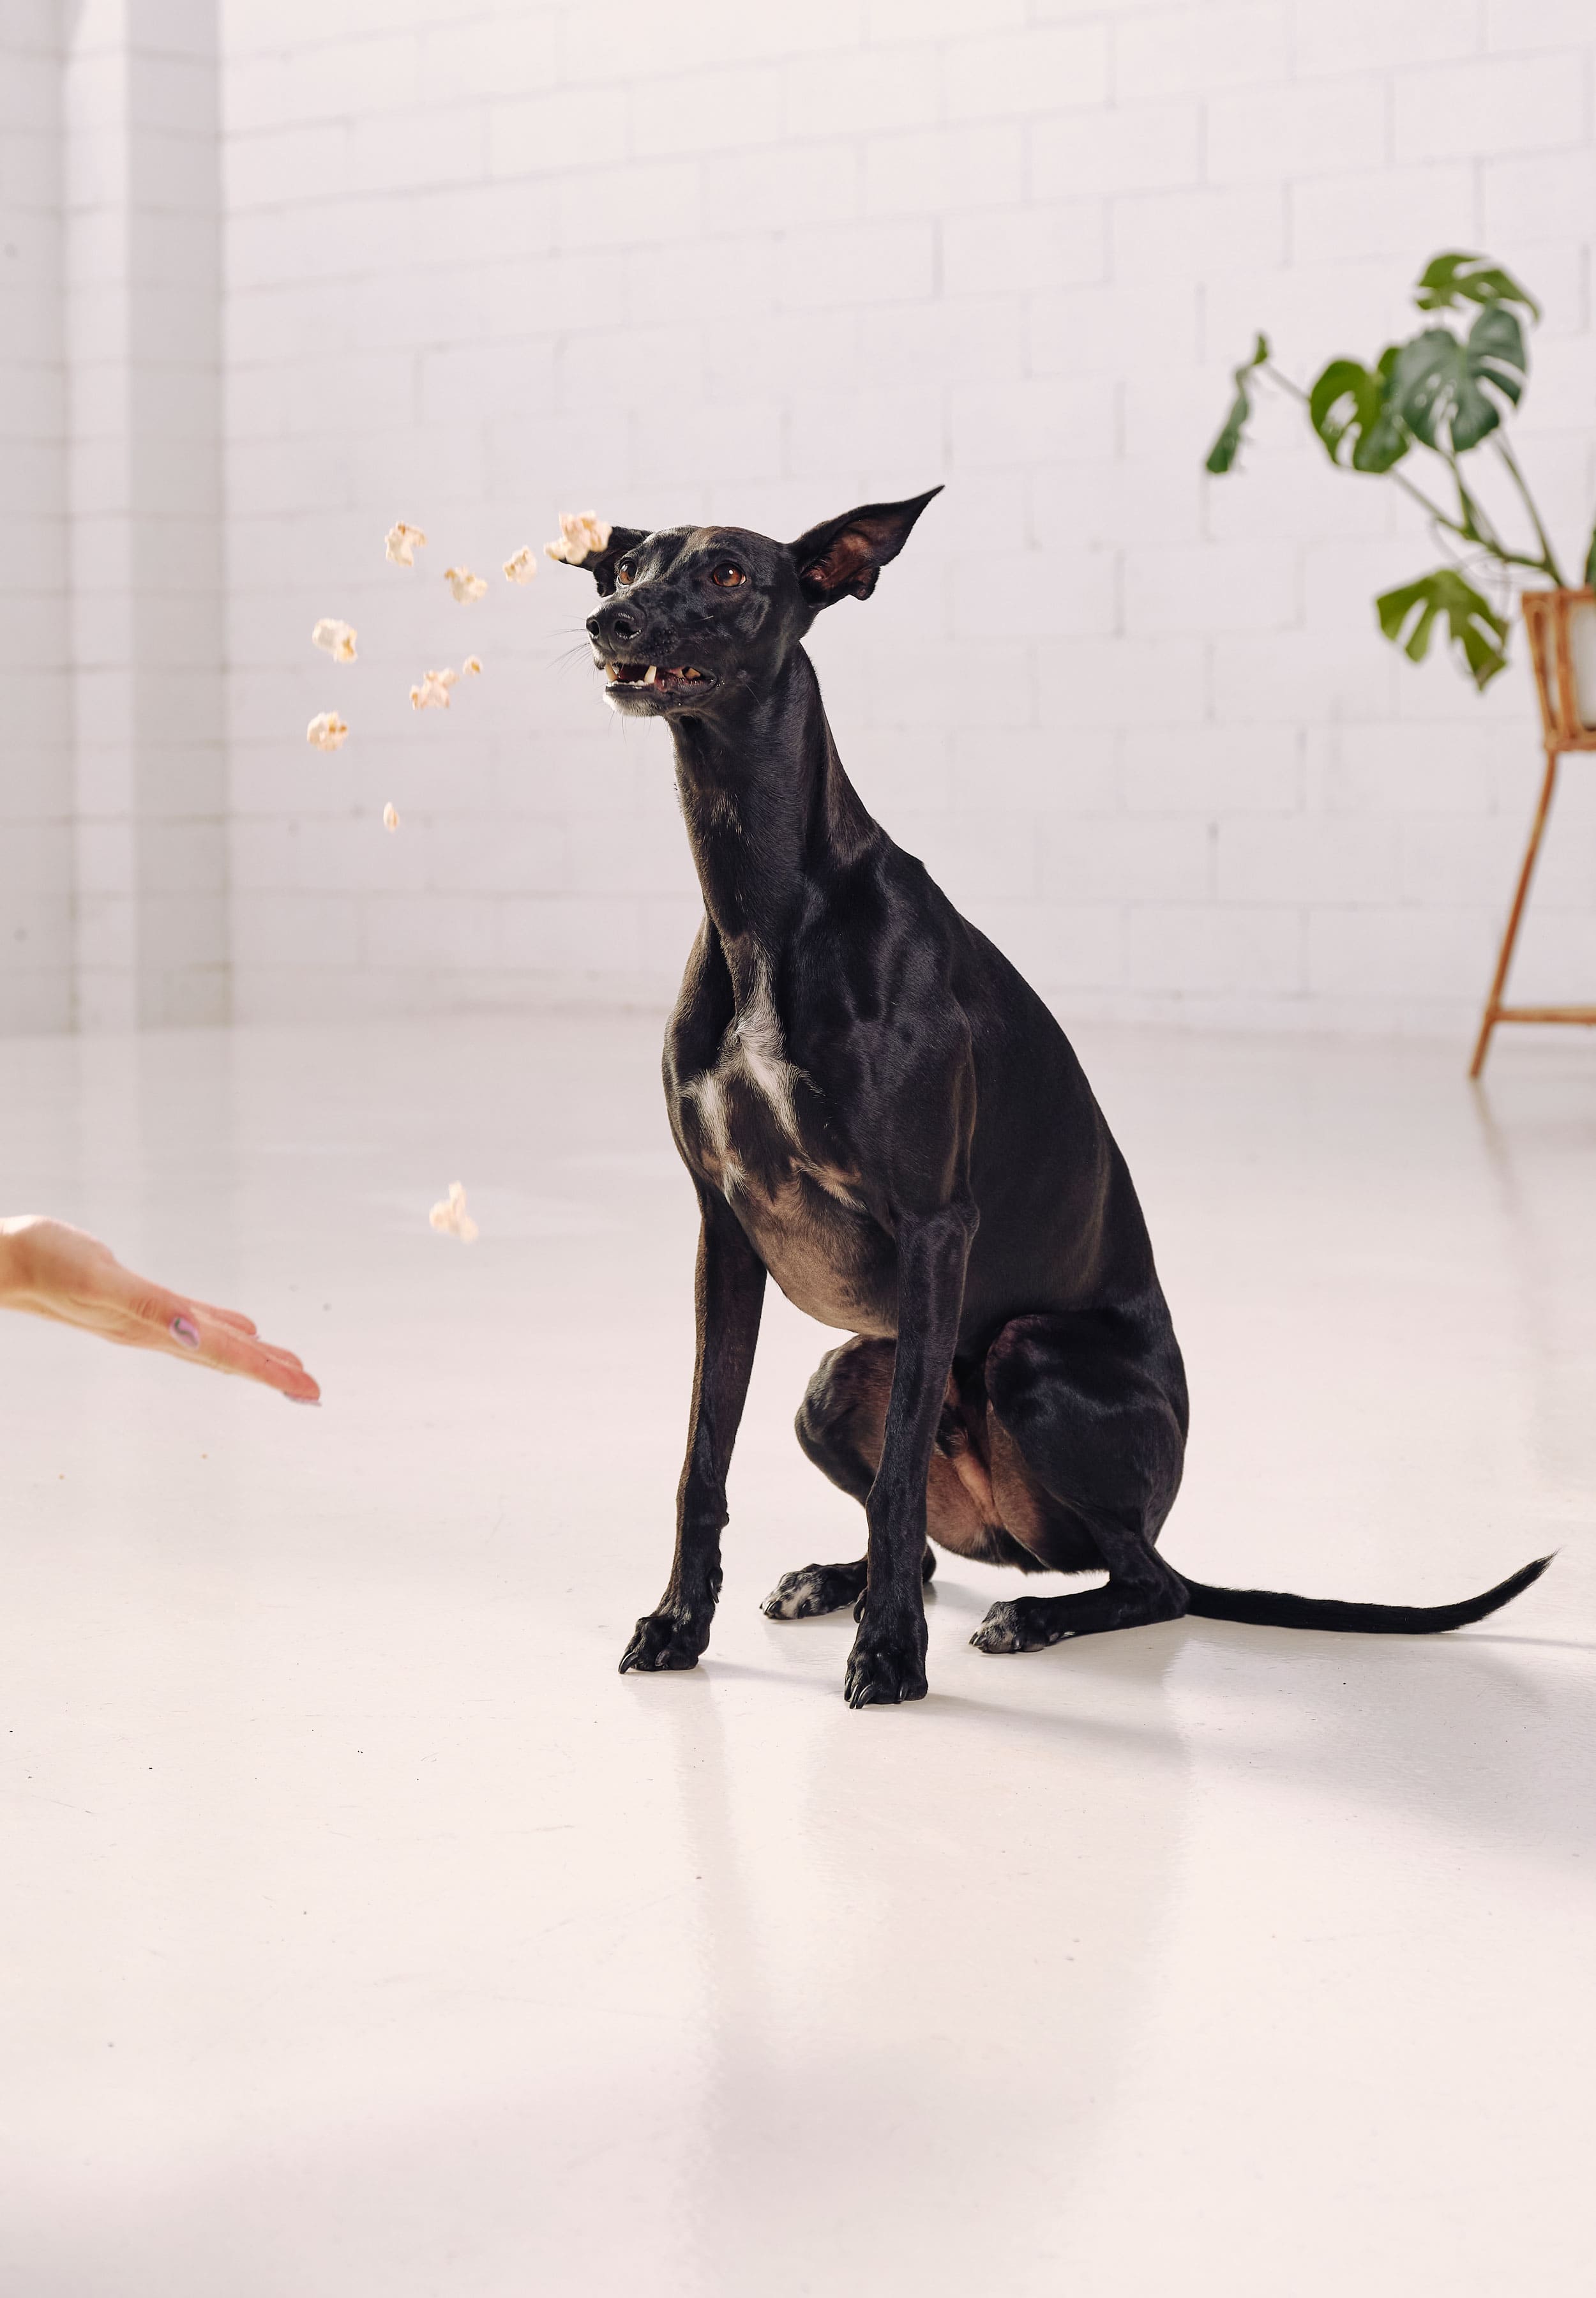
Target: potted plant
(1445,393)
(1448,392)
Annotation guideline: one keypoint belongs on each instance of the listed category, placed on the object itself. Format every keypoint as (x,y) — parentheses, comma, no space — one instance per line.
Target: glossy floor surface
(364,1935)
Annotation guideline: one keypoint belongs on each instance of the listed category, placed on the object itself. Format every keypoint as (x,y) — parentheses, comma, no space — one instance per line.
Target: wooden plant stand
(1546,619)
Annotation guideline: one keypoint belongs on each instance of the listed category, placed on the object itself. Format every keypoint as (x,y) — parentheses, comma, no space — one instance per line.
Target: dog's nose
(617,626)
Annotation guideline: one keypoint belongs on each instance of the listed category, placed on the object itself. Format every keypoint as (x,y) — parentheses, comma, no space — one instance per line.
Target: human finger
(234,1317)
(182,1327)
(221,1349)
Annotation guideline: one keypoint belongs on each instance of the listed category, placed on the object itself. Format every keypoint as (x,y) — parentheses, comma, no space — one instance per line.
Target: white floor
(364,1935)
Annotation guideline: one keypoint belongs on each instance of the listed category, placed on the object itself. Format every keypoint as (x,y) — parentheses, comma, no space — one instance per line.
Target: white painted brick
(1026,249)
(923,19)
(1056,594)
(1540,195)
(944,168)
(973,857)
(919,239)
(882,428)
(1105,503)
(650,201)
(1223,773)
(954,342)
(497,56)
(1374,33)
(1549,24)
(1212,232)
(1190,949)
(1019,422)
(1432,952)
(870,89)
(1386,212)
(861,263)
(783,186)
(1135,681)
(1120,857)
(1196,51)
(709,112)
(1473,111)
(1309,858)
(1135,147)
(1316,128)
(1214,587)
(1010,73)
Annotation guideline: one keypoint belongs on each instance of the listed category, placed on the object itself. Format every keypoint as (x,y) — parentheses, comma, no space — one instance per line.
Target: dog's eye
(625,572)
(727,575)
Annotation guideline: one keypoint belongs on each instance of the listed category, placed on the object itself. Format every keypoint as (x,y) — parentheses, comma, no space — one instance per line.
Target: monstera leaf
(1445,389)
(1350,401)
(1223,452)
(1454,279)
(1472,623)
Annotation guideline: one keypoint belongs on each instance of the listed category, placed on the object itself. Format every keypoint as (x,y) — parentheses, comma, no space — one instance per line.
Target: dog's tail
(1262,1607)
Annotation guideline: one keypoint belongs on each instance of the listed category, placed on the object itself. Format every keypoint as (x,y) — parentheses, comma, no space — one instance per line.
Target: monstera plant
(1445,394)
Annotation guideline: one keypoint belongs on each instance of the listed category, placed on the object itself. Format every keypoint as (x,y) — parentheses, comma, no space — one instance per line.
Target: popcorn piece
(472,666)
(433,693)
(580,534)
(450,1218)
(466,587)
(327,730)
(403,543)
(521,565)
(334,638)
(389,817)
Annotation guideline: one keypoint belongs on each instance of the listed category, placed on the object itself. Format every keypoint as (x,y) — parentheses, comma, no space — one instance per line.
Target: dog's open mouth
(656,677)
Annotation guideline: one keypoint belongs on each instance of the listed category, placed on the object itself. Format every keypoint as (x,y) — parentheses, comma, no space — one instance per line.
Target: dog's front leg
(729,1293)
(888,1661)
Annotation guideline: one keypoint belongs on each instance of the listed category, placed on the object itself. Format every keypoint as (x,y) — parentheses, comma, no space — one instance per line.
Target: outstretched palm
(51,1269)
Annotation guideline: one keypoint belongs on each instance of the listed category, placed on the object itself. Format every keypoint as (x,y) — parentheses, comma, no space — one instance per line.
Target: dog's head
(692,617)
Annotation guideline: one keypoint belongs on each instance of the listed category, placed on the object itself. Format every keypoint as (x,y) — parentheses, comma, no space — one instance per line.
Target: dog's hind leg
(1088,1446)
(840,1425)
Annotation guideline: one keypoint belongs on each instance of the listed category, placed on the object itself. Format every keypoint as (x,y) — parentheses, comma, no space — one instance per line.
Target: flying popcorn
(450,1218)
(472,666)
(521,565)
(403,543)
(580,534)
(334,638)
(327,731)
(466,587)
(389,817)
(433,693)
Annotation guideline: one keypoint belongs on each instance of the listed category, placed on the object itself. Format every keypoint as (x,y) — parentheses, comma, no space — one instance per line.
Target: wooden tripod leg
(1488,1020)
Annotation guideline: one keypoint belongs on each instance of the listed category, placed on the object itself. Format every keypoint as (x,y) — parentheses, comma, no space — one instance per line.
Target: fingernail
(298,1400)
(182,1330)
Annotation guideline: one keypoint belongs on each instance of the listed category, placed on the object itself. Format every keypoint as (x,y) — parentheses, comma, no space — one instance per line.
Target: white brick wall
(482,262)
(141,291)
(35,751)
(756,264)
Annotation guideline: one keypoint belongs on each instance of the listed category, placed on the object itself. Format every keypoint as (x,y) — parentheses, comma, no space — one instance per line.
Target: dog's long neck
(770,813)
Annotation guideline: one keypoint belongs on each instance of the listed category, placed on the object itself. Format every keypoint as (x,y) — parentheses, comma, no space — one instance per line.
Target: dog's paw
(882,1673)
(663,1640)
(817,1588)
(1021,1626)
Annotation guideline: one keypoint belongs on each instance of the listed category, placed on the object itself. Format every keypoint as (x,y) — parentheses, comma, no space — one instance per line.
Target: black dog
(879,1112)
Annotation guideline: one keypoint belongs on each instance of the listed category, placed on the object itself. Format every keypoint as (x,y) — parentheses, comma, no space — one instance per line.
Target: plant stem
(1547,559)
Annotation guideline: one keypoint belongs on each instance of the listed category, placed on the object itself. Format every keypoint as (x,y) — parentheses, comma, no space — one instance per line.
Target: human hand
(50,1269)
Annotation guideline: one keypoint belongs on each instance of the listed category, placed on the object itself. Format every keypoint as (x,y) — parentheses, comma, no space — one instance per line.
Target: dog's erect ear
(842,558)
(602,564)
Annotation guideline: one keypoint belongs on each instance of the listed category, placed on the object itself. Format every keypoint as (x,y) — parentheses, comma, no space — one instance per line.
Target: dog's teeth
(651,674)
(610,673)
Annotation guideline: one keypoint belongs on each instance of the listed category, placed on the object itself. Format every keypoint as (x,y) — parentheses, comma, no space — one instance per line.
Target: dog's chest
(751,1123)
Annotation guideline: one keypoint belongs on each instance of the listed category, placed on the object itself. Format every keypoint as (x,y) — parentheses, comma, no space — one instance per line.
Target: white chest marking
(753,1049)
